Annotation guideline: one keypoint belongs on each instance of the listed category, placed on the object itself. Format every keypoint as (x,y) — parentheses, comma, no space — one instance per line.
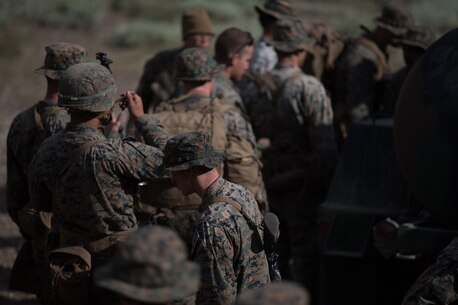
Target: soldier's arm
(17,193)
(214,252)
(40,195)
(148,125)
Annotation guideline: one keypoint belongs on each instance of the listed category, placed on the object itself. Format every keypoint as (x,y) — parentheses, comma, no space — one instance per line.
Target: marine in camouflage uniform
(304,151)
(27,131)
(163,274)
(414,43)
(277,293)
(30,127)
(264,56)
(87,180)
(437,285)
(362,66)
(157,83)
(228,241)
(195,68)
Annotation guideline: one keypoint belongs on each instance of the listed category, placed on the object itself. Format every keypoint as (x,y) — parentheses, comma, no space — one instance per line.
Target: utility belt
(92,245)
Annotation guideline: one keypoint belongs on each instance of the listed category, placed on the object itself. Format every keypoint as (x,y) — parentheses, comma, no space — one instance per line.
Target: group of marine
(221,141)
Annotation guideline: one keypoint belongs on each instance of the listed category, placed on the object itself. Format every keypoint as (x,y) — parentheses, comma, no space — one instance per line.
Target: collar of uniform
(286,66)
(84,128)
(47,103)
(189,98)
(211,192)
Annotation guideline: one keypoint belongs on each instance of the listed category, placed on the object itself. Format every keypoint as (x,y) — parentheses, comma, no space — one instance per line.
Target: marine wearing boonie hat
(395,19)
(151,267)
(419,37)
(290,36)
(60,56)
(275,293)
(190,149)
(196,64)
(279,9)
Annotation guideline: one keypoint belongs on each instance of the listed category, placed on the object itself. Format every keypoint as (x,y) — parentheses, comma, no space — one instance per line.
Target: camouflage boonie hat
(290,36)
(395,19)
(280,9)
(195,21)
(275,293)
(191,149)
(195,64)
(417,37)
(151,267)
(59,56)
(87,87)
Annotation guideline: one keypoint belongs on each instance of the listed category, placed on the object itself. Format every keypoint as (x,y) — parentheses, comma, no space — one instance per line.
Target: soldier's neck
(292,60)
(52,93)
(204,89)
(204,181)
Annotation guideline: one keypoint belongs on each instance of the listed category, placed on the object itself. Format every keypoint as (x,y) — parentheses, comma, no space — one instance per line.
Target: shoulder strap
(37,117)
(76,154)
(238,207)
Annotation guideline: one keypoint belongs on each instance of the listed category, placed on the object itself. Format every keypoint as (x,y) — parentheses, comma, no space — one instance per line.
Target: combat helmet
(275,293)
(151,267)
(60,56)
(88,87)
(394,19)
(196,64)
(290,36)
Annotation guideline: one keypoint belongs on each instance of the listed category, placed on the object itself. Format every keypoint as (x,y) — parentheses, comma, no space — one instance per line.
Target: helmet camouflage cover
(395,19)
(290,36)
(417,37)
(87,87)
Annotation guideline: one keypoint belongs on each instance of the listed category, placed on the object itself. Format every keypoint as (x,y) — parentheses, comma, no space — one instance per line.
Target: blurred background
(132,31)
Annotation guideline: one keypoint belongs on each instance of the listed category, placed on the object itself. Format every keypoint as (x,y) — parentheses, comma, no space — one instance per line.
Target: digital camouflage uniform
(437,285)
(30,127)
(228,241)
(277,293)
(87,180)
(162,272)
(264,57)
(361,67)
(419,38)
(303,157)
(27,131)
(157,83)
(195,64)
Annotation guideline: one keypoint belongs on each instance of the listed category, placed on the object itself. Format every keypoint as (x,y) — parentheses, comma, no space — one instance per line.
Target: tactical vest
(177,117)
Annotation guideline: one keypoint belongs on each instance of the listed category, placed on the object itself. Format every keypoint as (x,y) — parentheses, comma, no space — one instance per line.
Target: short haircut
(229,42)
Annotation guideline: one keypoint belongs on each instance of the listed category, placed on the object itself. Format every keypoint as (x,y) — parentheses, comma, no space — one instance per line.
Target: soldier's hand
(114,125)
(134,104)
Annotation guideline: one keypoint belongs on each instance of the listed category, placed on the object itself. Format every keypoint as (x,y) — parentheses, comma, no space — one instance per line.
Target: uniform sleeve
(214,251)
(154,134)
(17,193)
(40,195)
(135,160)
